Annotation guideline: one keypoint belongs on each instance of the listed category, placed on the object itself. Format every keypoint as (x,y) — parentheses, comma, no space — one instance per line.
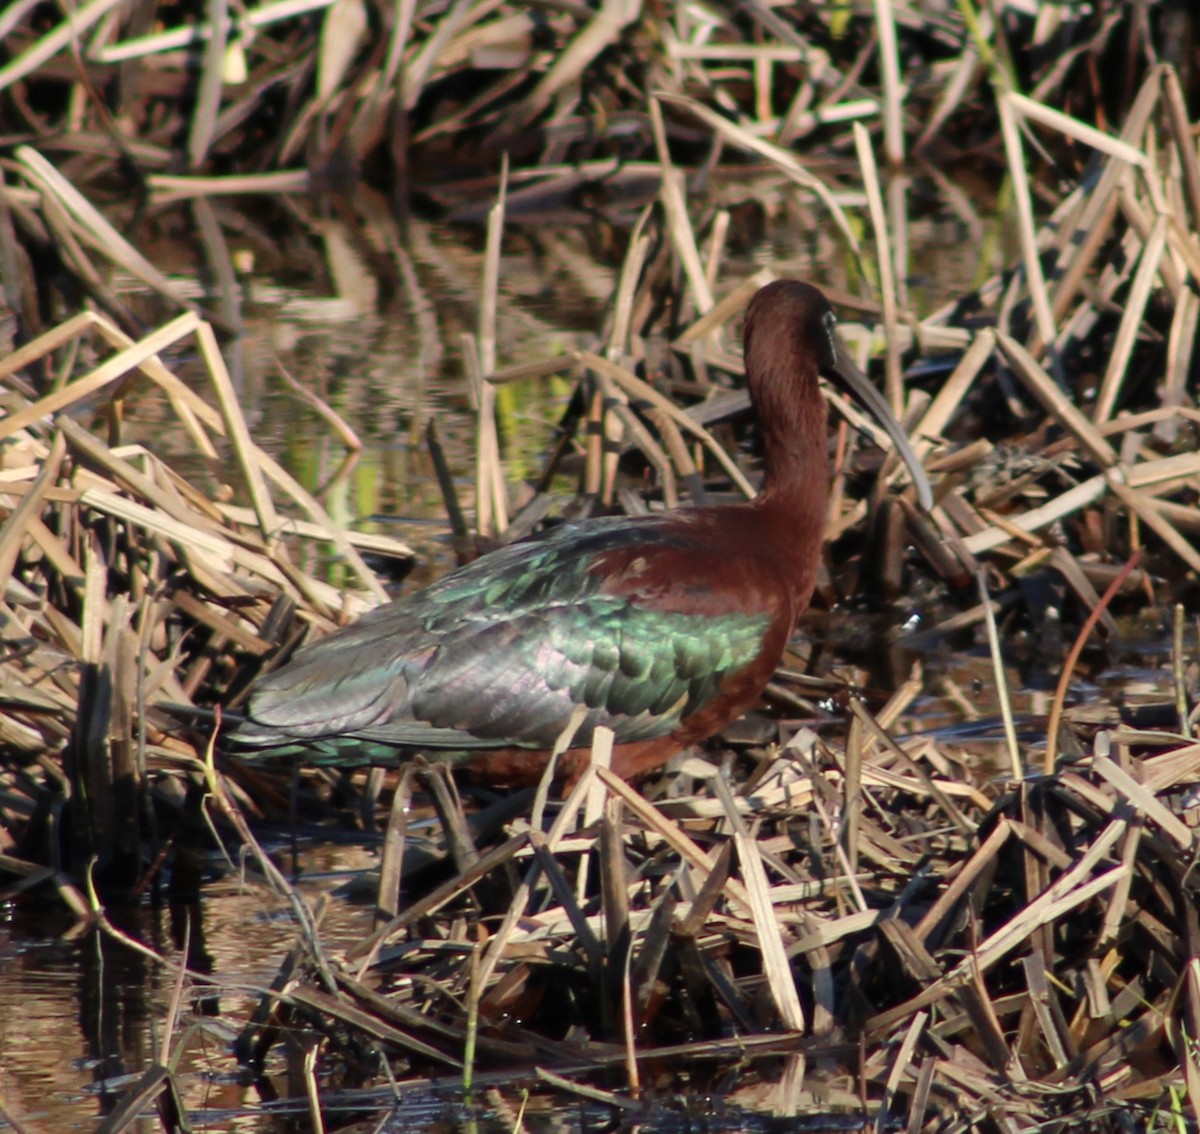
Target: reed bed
(215,98)
(142,107)
(863,919)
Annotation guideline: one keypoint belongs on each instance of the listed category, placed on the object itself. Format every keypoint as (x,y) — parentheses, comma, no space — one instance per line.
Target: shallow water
(89,1010)
(371,319)
(85,1014)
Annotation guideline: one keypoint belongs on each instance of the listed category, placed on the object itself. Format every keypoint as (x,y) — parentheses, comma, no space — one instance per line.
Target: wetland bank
(941,881)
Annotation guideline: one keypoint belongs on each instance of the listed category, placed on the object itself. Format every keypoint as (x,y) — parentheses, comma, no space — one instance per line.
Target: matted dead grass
(876,924)
(295,94)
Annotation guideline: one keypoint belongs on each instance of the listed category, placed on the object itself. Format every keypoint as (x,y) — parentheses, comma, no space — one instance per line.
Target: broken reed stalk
(601,757)
(490,489)
(893,89)
(776,968)
(1178,669)
(1131,320)
(1015,763)
(679,224)
(474,993)
(1019,178)
(883,255)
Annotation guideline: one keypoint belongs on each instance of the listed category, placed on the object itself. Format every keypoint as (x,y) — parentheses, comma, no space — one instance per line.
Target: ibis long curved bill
(845,373)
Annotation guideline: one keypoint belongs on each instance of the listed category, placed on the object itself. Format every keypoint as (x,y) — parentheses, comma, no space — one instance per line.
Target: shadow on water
(342,303)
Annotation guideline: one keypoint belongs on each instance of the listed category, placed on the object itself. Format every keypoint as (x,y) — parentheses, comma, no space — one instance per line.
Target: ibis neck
(796,459)
(791,508)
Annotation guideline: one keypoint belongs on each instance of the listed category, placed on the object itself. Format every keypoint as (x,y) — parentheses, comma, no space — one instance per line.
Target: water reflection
(91,1010)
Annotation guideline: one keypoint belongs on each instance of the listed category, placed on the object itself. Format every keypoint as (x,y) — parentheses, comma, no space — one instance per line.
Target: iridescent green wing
(501,652)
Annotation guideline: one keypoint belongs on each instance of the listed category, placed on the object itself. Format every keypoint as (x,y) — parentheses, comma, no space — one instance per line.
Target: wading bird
(663,627)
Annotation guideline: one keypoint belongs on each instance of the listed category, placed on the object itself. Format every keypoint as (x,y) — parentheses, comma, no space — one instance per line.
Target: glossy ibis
(666,627)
